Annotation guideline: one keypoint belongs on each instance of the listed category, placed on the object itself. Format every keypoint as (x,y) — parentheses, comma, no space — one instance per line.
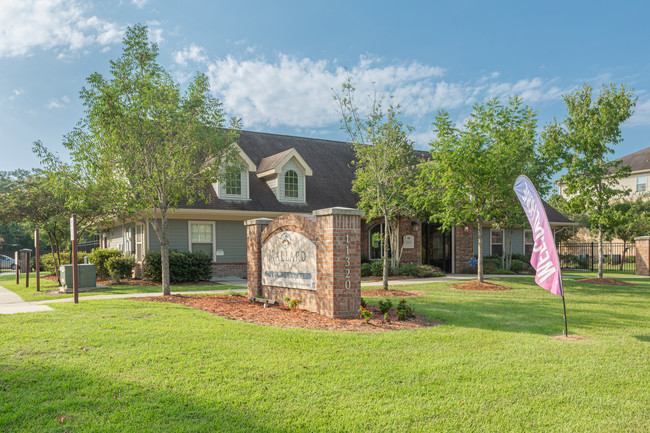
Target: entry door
(436,246)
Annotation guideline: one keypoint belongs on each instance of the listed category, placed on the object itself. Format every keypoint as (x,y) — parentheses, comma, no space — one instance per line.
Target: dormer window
(233,181)
(291,184)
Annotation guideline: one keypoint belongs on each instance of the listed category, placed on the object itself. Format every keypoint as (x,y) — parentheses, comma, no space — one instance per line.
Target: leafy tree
(152,145)
(581,144)
(13,234)
(384,161)
(472,169)
(631,218)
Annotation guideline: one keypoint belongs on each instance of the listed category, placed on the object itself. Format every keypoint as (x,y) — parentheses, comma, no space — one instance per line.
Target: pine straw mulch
(605,281)
(391,293)
(241,309)
(482,287)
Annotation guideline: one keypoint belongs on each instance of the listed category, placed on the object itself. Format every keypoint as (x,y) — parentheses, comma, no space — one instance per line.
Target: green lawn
(49,289)
(125,365)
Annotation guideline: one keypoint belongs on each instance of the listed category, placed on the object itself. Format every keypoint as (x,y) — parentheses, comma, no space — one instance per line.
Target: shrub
(630,259)
(518,266)
(120,267)
(502,271)
(365,314)
(364,258)
(293,303)
(409,270)
(363,303)
(404,311)
(491,264)
(385,306)
(183,266)
(427,271)
(377,268)
(366,269)
(100,257)
(523,257)
(47,262)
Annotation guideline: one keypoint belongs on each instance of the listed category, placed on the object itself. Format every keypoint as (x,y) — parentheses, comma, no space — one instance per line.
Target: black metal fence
(617,256)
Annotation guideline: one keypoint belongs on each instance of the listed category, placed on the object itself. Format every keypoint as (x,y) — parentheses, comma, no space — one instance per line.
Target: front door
(436,246)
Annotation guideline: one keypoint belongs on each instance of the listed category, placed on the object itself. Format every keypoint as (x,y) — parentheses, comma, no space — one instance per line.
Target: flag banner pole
(544,259)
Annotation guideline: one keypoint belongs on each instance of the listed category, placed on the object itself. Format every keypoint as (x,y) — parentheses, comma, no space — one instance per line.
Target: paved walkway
(10,303)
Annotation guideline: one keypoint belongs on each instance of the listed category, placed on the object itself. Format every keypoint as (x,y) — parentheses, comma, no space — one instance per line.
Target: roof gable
(273,164)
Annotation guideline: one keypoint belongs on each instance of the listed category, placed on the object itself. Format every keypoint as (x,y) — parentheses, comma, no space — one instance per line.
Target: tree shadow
(644,338)
(46,398)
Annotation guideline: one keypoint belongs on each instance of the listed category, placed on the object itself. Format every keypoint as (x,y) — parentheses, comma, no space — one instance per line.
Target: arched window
(233,181)
(291,184)
(376,235)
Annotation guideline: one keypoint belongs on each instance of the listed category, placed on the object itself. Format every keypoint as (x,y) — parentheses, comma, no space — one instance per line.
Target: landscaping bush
(366,269)
(404,312)
(502,271)
(491,264)
(630,259)
(47,262)
(518,266)
(364,258)
(120,267)
(408,270)
(523,257)
(377,268)
(427,271)
(100,257)
(183,266)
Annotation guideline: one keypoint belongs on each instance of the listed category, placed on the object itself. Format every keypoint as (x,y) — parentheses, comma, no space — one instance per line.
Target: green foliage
(428,271)
(377,268)
(581,145)
(366,269)
(408,269)
(293,303)
(47,262)
(365,314)
(184,266)
(364,258)
(385,306)
(473,168)
(363,303)
(120,267)
(518,266)
(100,257)
(404,311)
(149,143)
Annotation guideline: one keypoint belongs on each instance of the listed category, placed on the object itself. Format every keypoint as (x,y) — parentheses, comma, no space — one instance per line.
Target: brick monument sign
(316,259)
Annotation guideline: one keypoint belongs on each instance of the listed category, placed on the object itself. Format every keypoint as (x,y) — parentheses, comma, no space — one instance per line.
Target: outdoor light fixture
(415,225)
(466,229)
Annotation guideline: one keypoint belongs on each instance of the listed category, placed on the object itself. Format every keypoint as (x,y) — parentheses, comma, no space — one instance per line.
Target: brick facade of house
(642,260)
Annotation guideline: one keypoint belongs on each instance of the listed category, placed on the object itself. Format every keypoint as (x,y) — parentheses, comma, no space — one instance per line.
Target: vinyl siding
(115,238)
(178,239)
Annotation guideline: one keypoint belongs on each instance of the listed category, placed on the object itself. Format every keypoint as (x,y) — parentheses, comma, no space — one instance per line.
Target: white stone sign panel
(289,260)
(409,242)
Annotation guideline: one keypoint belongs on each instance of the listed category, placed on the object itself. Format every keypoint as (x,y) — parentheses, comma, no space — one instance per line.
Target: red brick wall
(229,270)
(642,249)
(413,255)
(463,247)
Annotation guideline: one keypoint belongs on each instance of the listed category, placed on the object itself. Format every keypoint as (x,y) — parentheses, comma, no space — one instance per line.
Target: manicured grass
(125,365)
(49,288)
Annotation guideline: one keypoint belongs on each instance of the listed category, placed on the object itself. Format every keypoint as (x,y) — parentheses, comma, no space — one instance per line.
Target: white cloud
(54,104)
(64,25)
(641,116)
(139,3)
(155,32)
(192,53)
(530,90)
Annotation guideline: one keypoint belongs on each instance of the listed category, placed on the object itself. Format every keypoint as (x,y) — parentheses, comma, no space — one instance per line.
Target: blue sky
(274,63)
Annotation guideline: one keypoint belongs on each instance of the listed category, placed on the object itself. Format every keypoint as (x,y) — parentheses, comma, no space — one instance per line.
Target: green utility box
(87,277)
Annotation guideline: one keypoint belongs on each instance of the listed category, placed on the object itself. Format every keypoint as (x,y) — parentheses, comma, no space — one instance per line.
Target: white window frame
(302,198)
(503,239)
(382,231)
(214,236)
(645,182)
(524,239)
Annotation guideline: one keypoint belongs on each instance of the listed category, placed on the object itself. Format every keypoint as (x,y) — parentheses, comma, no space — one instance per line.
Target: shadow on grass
(44,398)
(644,338)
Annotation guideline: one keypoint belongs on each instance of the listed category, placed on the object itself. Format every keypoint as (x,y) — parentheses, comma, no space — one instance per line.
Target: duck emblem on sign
(285,241)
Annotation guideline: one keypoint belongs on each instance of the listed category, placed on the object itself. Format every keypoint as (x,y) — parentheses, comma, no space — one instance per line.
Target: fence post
(592,257)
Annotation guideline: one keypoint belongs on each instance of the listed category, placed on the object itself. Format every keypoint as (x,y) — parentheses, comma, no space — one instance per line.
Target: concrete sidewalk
(135,295)
(11,303)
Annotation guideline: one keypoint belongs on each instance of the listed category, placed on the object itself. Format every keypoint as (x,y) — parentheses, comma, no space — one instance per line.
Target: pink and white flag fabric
(544,258)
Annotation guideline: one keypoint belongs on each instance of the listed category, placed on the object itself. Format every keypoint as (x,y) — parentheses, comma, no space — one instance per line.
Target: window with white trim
(641,182)
(291,184)
(232,184)
(529,242)
(202,238)
(496,242)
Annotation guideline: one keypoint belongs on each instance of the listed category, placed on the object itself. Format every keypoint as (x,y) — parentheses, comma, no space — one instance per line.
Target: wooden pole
(17,257)
(27,259)
(37,260)
(75,269)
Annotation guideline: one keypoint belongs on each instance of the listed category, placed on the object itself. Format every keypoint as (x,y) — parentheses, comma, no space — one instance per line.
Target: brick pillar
(642,259)
(339,264)
(254,230)
(463,247)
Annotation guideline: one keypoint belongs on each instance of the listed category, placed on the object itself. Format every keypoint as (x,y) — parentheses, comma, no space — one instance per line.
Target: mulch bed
(482,287)
(605,281)
(241,309)
(391,293)
(132,282)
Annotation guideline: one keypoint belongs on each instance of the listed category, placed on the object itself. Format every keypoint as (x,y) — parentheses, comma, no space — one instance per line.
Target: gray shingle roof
(330,185)
(638,160)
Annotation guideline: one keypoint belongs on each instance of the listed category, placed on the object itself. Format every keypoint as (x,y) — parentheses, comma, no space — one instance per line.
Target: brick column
(254,230)
(642,259)
(463,247)
(339,264)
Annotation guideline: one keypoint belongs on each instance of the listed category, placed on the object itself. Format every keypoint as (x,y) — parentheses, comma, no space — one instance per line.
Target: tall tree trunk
(479,256)
(385,258)
(600,251)
(164,253)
